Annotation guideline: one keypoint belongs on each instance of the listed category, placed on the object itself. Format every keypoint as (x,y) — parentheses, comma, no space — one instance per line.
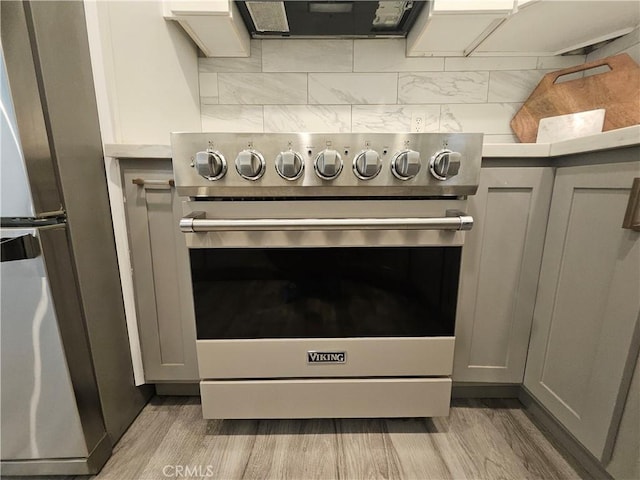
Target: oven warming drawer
(365,357)
(326,398)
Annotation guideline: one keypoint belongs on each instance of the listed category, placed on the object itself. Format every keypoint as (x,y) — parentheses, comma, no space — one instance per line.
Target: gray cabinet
(161,276)
(500,268)
(588,303)
(625,457)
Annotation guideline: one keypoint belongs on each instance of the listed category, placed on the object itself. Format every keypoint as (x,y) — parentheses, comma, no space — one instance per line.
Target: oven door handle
(454,220)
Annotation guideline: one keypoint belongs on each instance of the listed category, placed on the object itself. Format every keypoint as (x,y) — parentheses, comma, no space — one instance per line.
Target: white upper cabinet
(455,27)
(552,27)
(523,27)
(215,26)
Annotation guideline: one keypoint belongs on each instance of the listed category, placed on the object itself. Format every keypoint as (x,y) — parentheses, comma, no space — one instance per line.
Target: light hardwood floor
(481,439)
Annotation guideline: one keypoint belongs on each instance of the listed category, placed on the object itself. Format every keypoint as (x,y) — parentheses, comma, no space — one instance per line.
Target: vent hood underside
(337,19)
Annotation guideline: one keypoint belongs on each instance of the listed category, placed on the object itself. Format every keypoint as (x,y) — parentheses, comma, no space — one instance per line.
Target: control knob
(367,164)
(328,164)
(210,164)
(445,164)
(250,164)
(289,165)
(406,164)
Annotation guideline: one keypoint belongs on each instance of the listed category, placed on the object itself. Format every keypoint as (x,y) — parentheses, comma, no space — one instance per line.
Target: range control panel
(325,165)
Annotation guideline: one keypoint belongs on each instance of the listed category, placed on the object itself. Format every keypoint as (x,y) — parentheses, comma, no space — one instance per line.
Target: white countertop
(623,137)
(123,150)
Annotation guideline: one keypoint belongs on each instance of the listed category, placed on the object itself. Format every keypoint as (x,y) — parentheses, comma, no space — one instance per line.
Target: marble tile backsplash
(307,56)
(443,87)
(353,88)
(366,86)
(262,88)
(307,118)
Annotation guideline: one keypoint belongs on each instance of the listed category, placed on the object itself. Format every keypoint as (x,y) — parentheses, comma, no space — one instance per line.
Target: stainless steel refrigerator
(67,386)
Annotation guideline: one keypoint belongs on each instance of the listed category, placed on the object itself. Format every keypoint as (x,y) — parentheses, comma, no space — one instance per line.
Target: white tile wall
(208,88)
(513,85)
(232,118)
(353,88)
(393,118)
(388,55)
(489,138)
(367,86)
(443,87)
(472,64)
(262,88)
(560,61)
(240,64)
(307,118)
(633,52)
(296,55)
(489,118)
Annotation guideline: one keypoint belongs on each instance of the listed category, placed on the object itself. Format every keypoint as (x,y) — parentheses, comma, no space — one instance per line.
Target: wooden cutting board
(616,90)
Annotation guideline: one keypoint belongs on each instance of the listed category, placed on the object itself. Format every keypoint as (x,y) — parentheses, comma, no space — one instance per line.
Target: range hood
(337,19)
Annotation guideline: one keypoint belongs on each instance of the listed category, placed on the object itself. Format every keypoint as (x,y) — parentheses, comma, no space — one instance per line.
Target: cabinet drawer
(326,398)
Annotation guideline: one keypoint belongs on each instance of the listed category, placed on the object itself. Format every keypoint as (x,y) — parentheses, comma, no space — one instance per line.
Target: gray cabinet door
(588,301)
(500,267)
(161,274)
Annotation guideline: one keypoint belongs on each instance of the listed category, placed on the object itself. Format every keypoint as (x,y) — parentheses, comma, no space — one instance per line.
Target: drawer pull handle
(154,183)
(632,215)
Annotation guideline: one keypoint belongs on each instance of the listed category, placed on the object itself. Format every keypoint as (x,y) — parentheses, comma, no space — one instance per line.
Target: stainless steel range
(325,269)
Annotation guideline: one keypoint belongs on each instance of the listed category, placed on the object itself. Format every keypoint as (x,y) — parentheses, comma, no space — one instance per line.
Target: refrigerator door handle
(32,222)
(23,247)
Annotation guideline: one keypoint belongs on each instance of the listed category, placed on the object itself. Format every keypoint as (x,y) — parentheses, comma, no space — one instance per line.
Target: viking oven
(325,269)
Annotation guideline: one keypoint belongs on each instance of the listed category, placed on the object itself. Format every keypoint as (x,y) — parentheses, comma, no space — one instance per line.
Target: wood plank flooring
(481,439)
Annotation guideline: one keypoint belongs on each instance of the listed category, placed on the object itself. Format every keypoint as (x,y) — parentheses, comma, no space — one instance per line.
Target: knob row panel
(328,164)
(314,164)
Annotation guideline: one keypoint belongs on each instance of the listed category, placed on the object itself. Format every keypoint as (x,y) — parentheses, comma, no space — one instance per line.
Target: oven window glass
(325,292)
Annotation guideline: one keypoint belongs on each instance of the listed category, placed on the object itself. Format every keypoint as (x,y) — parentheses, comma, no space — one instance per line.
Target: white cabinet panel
(455,27)
(588,301)
(161,273)
(450,35)
(625,459)
(532,28)
(551,27)
(146,73)
(215,26)
(500,266)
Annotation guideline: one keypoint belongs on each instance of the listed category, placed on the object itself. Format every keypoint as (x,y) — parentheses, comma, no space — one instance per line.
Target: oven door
(373,300)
